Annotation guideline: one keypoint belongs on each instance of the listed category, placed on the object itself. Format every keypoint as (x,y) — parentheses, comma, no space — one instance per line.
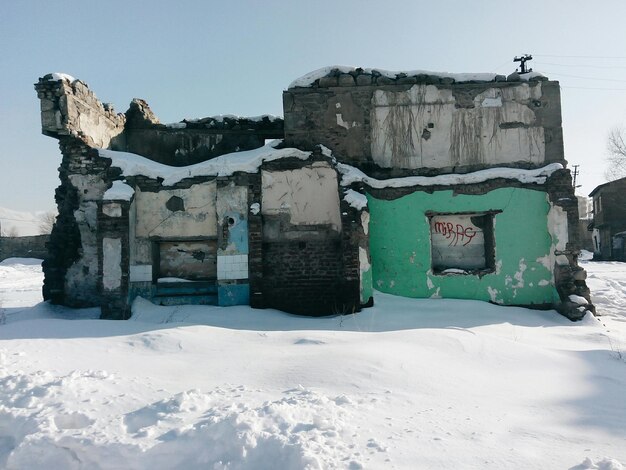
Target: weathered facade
(609,220)
(415,184)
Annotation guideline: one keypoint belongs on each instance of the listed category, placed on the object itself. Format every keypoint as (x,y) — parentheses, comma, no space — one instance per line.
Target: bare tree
(13,232)
(46,222)
(616,147)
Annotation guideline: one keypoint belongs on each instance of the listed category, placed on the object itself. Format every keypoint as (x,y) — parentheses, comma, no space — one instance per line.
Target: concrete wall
(24,247)
(195,231)
(176,213)
(425,127)
(523,272)
(421,127)
(304,196)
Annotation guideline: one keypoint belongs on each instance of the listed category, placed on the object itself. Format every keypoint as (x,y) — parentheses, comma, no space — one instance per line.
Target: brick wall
(305,276)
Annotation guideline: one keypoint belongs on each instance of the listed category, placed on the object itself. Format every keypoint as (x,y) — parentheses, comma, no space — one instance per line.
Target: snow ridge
(354,175)
(225,165)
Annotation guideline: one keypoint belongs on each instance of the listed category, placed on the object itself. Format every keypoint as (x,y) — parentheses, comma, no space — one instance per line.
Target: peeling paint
(365,222)
(197,220)
(425,127)
(492,102)
(557,224)
(112,210)
(493,294)
(365,270)
(400,227)
(519,275)
(344,124)
(292,192)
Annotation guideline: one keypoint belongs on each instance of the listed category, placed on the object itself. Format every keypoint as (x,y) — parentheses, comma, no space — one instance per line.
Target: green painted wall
(401,252)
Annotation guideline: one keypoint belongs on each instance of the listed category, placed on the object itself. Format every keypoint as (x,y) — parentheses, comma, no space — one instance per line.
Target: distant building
(609,220)
(585,213)
(416,184)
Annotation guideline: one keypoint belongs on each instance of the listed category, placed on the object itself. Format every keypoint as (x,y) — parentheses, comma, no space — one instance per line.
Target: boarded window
(462,242)
(190,260)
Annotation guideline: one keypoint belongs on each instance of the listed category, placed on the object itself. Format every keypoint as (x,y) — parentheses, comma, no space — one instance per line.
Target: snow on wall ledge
(225,165)
(119,192)
(59,76)
(251,160)
(353,175)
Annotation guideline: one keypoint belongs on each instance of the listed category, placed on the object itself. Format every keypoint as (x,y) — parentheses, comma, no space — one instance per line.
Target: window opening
(462,243)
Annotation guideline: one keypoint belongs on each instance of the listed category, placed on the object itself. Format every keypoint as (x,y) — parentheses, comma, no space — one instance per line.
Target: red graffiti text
(456,233)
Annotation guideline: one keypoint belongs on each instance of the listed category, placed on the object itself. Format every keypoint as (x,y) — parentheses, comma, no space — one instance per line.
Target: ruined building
(416,184)
(609,220)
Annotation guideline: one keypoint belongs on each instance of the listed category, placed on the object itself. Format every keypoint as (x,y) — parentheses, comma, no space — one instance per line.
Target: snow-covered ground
(411,384)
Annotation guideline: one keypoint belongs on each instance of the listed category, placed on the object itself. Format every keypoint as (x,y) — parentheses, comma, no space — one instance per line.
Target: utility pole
(523,59)
(574,175)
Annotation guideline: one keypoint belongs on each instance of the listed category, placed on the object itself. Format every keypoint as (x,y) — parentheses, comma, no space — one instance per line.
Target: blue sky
(200,58)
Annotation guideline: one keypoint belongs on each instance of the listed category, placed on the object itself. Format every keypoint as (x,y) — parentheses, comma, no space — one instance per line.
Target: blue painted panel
(233,294)
(185,300)
(186,288)
(238,233)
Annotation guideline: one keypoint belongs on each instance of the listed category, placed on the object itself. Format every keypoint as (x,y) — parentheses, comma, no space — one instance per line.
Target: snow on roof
(234,117)
(354,175)
(530,75)
(225,165)
(118,192)
(308,79)
(58,76)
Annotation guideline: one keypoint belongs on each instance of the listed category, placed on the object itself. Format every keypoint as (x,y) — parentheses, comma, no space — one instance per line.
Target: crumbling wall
(71,113)
(70,270)
(70,108)
(193,141)
(425,124)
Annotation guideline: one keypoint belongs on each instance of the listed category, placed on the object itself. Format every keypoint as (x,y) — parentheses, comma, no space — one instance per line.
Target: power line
(593,88)
(582,56)
(586,78)
(587,66)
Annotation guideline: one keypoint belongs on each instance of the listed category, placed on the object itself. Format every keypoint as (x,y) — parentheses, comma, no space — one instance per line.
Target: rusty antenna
(523,59)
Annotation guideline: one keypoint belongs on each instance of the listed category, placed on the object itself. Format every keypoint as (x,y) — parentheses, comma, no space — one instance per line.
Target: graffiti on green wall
(401,251)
